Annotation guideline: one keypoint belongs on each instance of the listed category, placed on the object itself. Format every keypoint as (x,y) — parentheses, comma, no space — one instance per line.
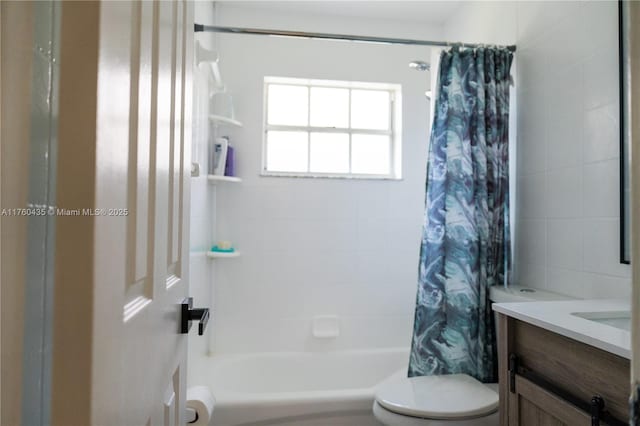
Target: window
(324,128)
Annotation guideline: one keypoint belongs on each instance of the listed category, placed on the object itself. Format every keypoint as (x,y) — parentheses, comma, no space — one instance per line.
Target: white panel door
(119,356)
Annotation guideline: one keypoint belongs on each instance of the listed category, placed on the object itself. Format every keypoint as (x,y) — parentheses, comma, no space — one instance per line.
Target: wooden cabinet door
(531,405)
(557,379)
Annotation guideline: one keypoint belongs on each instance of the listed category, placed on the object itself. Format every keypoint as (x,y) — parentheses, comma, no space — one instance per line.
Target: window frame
(394,130)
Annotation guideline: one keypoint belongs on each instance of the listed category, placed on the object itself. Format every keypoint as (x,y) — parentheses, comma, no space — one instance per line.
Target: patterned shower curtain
(465,245)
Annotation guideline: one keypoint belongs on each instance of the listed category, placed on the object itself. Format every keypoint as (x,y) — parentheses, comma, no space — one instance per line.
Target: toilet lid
(455,396)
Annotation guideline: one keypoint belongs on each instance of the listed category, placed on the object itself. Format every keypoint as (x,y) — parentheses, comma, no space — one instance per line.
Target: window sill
(329,176)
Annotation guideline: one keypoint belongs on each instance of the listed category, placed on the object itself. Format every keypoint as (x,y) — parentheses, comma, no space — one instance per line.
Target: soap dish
(326,326)
(217,249)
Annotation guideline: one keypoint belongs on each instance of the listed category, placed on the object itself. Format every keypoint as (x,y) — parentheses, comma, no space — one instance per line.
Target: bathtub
(301,389)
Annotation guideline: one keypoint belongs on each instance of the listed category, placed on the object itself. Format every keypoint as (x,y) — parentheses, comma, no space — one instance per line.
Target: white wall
(318,246)
(567,204)
(202,195)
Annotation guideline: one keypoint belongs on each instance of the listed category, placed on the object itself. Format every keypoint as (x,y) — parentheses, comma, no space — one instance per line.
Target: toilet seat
(449,397)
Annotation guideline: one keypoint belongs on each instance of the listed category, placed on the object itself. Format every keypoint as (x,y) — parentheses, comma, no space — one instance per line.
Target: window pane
(329,153)
(370,154)
(287,151)
(288,105)
(329,107)
(370,109)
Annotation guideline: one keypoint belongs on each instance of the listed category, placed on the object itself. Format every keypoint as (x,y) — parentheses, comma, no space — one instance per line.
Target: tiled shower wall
(202,200)
(314,247)
(567,188)
(349,248)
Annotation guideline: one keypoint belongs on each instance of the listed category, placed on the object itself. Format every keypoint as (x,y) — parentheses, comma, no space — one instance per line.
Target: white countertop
(557,317)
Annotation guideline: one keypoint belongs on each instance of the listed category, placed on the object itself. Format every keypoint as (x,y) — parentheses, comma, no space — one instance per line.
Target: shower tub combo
(302,389)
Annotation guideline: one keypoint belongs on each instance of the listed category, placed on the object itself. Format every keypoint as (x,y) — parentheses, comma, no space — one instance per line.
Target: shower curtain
(465,245)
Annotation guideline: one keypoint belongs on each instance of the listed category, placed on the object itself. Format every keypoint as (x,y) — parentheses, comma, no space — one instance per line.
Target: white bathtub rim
(216,363)
(229,356)
(239,407)
(233,397)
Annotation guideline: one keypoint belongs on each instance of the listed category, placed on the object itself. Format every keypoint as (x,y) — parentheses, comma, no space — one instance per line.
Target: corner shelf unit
(222,255)
(220,119)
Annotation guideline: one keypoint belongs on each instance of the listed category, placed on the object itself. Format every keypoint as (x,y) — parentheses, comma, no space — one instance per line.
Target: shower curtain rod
(329,36)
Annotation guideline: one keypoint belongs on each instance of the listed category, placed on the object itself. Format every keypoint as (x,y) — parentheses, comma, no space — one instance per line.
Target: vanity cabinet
(548,379)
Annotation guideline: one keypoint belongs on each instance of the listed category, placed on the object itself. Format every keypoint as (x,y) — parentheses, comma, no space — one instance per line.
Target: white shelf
(213,179)
(224,120)
(222,255)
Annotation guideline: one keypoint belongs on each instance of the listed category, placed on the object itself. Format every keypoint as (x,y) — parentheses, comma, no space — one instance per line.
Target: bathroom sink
(617,319)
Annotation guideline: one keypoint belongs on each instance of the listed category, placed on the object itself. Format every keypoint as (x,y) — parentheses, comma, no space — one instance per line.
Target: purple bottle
(229,169)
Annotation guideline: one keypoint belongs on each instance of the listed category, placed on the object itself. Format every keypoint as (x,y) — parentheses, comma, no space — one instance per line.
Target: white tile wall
(532,241)
(601,133)
(531,191)
(202,201)
(598,179)
(601,245)
(531,138)
(564,243)
(567,201)
(564,192)
(317,246)
(577,45)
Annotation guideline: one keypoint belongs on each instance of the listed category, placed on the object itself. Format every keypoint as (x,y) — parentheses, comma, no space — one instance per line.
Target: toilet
(448,400)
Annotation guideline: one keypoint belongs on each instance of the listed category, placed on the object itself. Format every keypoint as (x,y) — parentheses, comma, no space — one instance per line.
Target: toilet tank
(515,293)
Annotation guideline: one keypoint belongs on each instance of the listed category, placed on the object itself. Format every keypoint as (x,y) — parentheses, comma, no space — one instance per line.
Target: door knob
(189,314)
